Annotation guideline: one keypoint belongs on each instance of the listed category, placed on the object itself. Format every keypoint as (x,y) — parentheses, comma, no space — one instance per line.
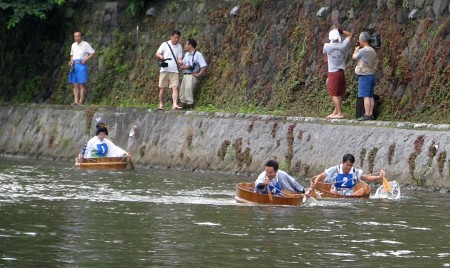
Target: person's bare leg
(161,97)
(367,104)
(75,93)
(372,105)
(337,100)
(334,111)
(175,98)
(82,89)
(358,192)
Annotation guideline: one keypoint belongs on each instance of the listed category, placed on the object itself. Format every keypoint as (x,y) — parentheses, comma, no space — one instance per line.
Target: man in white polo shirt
(80,53)
(169,73)
(194,66)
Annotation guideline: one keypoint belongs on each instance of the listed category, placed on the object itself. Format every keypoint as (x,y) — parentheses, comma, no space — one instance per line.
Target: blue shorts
(366,85)
(79,74)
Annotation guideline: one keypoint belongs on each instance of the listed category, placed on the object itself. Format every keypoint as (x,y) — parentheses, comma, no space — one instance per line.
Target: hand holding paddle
(386,185)
(131,161)
(269,193)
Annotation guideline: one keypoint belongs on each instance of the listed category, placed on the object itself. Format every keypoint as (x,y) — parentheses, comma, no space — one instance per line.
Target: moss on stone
(391,153)
(371,158)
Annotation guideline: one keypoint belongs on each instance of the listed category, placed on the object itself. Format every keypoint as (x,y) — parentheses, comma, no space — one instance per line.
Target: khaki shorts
(168,80)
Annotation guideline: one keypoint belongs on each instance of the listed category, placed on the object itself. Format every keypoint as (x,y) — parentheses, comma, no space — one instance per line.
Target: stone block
(413,14)
(107,19)
(429,13)
(351,14)
(323,11)
(69,13)
(309,7)
(439,6)
(151,12)
(234,11)
(110,7)
(419,3)
(381,4)
(335,17)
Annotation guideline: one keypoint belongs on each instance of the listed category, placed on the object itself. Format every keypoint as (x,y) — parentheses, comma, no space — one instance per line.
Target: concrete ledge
(411,153)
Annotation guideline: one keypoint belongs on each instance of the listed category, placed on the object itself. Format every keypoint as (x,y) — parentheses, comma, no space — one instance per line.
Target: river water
(52,215)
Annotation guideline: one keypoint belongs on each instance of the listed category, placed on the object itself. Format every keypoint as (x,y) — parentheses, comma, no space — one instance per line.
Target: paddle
(386,185)
(287,193)
(312,193)
(131,163)
(269,193)
(80,160)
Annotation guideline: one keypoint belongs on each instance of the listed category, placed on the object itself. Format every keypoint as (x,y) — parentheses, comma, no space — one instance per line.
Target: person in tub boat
(100,146)
(277,180)
(345,177)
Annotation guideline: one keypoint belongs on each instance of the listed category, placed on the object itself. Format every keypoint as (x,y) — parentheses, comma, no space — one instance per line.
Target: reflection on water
(53,215)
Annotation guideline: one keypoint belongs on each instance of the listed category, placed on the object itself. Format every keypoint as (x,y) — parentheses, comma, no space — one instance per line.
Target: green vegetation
(15,10)
(135,7)
(64,143)
(275,67)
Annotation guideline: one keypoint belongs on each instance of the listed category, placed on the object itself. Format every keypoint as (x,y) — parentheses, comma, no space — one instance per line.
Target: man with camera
(336,51)
(170,55)
(194,66)
(365,56)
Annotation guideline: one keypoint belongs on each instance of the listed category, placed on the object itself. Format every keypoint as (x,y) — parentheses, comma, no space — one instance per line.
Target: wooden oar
(386,185)
(131,163)
(80,161)
(312,193)
(269,193)
(287,193)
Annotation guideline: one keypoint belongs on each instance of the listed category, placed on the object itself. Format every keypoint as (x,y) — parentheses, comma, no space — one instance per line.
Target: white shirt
(333,172)
(336,54)
(190,58)
(167,54)
(263,175)
(81,50)
(92,148)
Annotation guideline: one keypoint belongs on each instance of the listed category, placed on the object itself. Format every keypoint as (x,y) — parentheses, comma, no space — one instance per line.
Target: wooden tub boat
(245,193)
(322,191)
(104,163)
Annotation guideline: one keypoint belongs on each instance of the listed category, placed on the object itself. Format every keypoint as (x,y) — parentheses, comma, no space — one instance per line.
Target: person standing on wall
(335,51)
(194,66)
(365,56)
(80,53)
(170,55)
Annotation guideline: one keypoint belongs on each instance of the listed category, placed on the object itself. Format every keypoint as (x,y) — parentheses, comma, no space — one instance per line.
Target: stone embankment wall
(268,55)
(415,154)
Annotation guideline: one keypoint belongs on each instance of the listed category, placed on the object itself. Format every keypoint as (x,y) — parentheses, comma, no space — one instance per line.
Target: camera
(163,63)
(195,68)
(374,41)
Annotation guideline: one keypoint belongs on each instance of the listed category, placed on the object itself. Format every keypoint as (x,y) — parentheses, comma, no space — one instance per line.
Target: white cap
(334,35)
